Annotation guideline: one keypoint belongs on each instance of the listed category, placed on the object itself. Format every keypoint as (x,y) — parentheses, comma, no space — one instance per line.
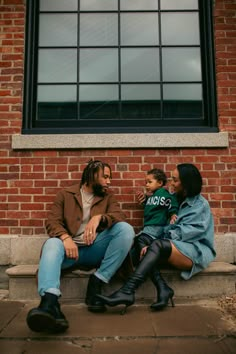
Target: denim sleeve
(174,206)
(193,223)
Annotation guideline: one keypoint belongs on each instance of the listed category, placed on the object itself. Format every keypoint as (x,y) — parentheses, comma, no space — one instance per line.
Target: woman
(187,245)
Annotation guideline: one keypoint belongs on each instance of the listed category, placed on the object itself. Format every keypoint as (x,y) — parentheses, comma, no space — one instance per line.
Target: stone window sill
(120,141)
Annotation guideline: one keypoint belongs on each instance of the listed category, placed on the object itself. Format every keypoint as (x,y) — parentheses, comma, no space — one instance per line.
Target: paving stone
(189,321)
(39,347)
(8,311)
(166,346)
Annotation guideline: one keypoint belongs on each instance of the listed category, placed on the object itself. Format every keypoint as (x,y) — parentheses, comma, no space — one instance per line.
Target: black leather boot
(141,241)
(47,317)
(164,292)
(159,249)
(94,288)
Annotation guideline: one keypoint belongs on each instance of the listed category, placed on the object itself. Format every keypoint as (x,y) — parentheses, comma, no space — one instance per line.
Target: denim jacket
(193,233)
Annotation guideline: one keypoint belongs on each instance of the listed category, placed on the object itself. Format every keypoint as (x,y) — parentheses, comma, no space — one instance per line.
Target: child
(160,208)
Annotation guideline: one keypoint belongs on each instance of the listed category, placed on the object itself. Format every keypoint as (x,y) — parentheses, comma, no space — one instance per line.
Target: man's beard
(98,190)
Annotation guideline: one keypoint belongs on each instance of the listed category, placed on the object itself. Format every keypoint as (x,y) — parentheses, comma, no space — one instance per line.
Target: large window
(119,66)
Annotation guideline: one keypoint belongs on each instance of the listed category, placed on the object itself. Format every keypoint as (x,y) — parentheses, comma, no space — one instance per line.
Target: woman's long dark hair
(190,178)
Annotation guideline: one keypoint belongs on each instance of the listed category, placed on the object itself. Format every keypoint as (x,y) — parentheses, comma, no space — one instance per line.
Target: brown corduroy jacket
(67,212)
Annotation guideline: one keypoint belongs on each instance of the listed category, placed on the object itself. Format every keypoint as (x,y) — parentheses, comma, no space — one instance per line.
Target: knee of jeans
(53,244)
(126,230)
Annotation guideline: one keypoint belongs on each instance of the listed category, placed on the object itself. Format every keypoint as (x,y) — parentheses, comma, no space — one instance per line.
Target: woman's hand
(173,219)
(71,248)
(90,229)
(143,251)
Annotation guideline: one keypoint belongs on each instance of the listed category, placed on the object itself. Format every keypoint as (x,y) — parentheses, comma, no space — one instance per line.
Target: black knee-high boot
(141,241)
(164,292)
(159,249)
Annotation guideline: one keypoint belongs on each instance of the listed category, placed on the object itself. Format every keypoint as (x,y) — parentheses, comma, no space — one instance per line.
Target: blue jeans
(107,253)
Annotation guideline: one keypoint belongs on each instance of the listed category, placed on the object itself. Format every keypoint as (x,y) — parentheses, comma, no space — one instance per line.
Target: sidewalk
(188,328)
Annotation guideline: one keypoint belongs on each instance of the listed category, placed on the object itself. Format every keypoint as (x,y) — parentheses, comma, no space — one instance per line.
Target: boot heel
(124,310)
(172,301)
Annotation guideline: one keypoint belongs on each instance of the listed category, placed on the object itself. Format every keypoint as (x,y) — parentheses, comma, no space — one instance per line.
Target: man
(87,229)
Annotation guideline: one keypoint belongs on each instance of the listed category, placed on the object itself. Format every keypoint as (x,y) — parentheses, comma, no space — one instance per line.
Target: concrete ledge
(218,279)
(225,245)
(16,250)
(30,270)
(106,141)
(26,250)
(5,249)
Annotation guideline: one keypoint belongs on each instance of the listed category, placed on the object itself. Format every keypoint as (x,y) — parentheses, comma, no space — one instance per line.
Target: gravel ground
(228,305)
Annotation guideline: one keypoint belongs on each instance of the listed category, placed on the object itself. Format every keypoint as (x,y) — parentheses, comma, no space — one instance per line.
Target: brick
(4,230)
(31,222)
(227,220)
(31,191)
(229,204)
(5,222)
(32,175)
(43,198)
(21,183)
(32,206)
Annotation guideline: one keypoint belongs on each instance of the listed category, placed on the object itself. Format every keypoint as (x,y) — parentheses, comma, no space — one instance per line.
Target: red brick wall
(30,179)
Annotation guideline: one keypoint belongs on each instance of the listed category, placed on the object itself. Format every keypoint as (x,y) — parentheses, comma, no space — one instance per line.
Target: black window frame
(108,125)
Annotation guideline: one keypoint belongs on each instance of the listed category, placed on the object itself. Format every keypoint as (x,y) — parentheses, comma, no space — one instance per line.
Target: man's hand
(90,229)
(71,248)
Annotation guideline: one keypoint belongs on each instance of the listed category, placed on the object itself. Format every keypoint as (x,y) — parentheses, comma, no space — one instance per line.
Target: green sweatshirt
(160,207)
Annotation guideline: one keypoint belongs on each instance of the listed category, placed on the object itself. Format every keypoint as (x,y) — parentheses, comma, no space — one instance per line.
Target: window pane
(57,102)
(182,91)
(140,92)
(139,29)
(99,101)
(138,4)
(180,29)
(57,65)
(179,4)
(95,5)
(140,101)
(181,64)
(182,101)
(140,64)
(98,65)
(58,30)
(98,93)
(57,111)
(58,5)
(56,93)
(98,29)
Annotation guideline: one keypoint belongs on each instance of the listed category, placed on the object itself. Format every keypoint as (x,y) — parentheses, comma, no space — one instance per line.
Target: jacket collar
(75,189)
(189,201)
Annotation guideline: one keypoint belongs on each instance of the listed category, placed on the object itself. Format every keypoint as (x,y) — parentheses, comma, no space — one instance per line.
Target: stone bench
(218,279)
(21,254)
